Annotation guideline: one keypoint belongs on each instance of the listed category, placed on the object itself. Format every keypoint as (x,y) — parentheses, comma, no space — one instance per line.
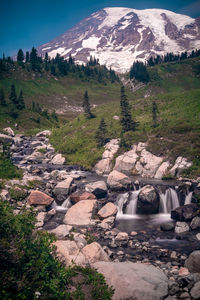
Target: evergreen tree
(53,70)
(21,104)
(139,72)
(154,114)
(54,116)
(126,119)
(101,132)
(13,95)
(27,59)
(34,60)
(20,57)
(2,98)
(86,106)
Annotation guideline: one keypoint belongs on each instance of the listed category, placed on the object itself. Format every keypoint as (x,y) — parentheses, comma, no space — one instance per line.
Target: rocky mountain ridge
(118,36)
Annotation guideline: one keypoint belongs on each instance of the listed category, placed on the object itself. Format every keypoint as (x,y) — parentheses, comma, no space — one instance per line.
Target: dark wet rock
(195,223)
(195,291)
(185,212)
(98,188)
(173,288)
(148,201)
(167,226)
(193,262)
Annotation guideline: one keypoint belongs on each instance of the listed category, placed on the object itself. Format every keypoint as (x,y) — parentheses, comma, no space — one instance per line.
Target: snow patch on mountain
(91,43)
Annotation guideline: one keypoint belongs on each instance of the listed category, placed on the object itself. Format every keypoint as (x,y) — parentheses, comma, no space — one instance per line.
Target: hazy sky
(27,23)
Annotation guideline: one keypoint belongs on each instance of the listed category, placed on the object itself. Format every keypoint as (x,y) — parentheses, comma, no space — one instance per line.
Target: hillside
(175,89)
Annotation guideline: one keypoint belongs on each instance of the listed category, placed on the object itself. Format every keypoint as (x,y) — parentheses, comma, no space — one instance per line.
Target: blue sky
(27,23)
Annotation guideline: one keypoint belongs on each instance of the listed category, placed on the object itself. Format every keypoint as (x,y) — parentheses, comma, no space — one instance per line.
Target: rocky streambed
(95,219)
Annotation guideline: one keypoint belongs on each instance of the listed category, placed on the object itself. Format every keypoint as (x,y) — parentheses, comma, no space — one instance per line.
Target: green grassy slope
(177,94)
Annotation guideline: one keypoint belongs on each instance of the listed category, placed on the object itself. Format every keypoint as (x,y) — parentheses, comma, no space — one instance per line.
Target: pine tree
(21,104)
(2,98)
(34,60)
(86,106)
(126,119)
(13,95)
(27,59)
(20,57)
(154,114)
(101,132)
(139,72)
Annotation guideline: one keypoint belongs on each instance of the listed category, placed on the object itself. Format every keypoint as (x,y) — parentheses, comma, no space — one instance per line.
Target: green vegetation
(176,94)
(7,169)
(29,268)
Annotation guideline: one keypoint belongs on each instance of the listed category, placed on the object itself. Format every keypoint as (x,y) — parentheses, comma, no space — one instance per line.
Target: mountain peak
(118,36)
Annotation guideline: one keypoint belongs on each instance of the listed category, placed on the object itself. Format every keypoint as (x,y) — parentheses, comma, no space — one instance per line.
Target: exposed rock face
(126,162)
(118,181)
(39,198)
(44,133)
(185,212)
(107,210)
(62,231)
(9,131)
(167,226)
(104,165)
(148,164)
(148,200)
(134,281)
(81,213)
(98,188)
(180,165)
(76,197)
(94,252)
(58,159)
(118,36)
(162,170)
(193,262)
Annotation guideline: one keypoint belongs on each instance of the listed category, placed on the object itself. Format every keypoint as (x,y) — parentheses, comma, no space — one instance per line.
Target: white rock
(9,131)
(181,164)
(6,138)
(148,164)
(107,210)
(122,236)
(44,133)
(61,231)
(126,162)
(118,180)
(63,187)
(162,170)
(94,252)
(181,227)
(40,219)
(107,223)
(58,160)
(81,213)
(103,166)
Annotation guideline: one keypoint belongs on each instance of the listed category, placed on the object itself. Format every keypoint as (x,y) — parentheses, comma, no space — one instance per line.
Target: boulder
(195,291)
(193,262)
(103,166)
(5,138)
(39,198)
(112,147)
(134,280)
(107,223)
(63,188)
(181,164)
(126,162)
(195,223)
(9,131)
(162,170)
(181,227)
(61,231)
(185,212)
(167,226)
(94,253)
(58,160)
(81,213)
(40,219)
(44,133)
(69,252)
(148,200)
(118,181)
(76,197)
(107,210)
(148,164)
(98,188)
(198,236)
(122,236)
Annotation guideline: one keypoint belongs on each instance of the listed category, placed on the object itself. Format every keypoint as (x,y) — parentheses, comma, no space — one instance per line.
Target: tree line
(59,66)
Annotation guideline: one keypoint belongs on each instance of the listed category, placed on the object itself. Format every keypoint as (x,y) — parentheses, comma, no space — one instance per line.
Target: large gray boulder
(181,227)
(107,210)
(193,262)
(98,188)
(148,200)
(181,164)
(94,253)
(63,189)
(58,160)
(126,162)
(134,280)
(118,181)
(81,213)
(148,164)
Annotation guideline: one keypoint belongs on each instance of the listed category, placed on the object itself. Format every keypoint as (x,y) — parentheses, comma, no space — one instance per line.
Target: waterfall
(132,206)
(121,200)
(188,198)
(63,207)
(168,201)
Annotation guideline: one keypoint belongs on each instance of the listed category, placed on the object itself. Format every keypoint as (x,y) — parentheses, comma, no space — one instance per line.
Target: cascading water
(188,198)
(121,200)
(168,201)
(132,206)
(63,207)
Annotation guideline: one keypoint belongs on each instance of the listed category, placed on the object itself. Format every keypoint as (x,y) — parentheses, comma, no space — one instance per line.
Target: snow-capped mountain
(118,36)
